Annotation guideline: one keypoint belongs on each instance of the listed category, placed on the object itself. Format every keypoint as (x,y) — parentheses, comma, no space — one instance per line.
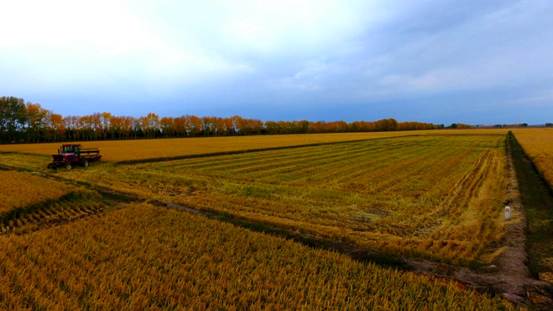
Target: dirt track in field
(509,276)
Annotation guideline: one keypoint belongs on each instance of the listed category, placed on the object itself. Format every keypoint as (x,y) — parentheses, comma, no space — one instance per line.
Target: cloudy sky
(430,60)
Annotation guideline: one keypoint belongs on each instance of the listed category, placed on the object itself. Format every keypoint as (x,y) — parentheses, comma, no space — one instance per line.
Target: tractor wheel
(85,163)
(68,166)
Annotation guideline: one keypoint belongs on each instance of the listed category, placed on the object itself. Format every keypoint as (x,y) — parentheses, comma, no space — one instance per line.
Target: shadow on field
(537,199)
(341,245)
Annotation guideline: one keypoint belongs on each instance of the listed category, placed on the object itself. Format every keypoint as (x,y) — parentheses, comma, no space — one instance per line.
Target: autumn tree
(20,122)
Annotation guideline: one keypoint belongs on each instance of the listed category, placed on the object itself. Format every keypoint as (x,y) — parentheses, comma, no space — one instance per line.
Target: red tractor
(70,155)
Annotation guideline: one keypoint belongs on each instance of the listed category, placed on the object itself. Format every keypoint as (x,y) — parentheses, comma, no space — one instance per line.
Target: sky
(441,61)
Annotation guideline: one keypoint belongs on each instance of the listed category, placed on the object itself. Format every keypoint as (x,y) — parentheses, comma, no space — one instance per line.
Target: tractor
(70,155)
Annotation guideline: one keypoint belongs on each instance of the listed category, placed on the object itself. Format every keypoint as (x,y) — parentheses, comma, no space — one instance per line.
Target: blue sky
(440,61)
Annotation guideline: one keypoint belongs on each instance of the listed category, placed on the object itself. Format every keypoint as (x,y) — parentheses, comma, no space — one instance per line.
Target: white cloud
(64,41)
(291,51)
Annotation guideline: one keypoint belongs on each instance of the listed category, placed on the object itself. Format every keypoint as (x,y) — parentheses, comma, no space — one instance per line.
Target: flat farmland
(134,150)
(143,257)
(432,196)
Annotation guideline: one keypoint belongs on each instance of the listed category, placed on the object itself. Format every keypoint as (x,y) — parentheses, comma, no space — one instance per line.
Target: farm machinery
(70,155)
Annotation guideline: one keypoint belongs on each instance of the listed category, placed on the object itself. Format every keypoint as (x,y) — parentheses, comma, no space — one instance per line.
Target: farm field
(276,155)
(133,150)
(438,197)
(144,257)
(538,145)
(30,162)
(21,189)
(365,208)
(29,202)
(536,197)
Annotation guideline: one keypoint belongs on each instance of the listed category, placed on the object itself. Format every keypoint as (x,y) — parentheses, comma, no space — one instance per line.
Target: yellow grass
(19,190)
(156,148)
(538,145)
(141,258)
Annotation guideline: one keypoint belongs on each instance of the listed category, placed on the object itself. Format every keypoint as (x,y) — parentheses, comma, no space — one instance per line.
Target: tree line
(22,122)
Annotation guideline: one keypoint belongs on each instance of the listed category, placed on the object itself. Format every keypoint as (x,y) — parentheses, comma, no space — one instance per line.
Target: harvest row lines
(396,195)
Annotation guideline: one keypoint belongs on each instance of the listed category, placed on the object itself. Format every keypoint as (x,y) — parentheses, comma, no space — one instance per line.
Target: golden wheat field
(433,196)
(538,145)
(129,150)
(142,257)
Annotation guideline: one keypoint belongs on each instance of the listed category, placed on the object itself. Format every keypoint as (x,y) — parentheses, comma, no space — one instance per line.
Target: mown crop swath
(435,196)
(129,150)
(142,257)
(29,202)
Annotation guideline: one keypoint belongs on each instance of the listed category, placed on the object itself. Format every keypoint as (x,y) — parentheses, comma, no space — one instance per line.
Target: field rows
(141,257)
(126,150)
(29,202)
(75,205)
(435,196)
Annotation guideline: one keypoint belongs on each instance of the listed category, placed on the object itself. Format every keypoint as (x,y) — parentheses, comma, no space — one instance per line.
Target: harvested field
(29,202)
(32,162)
(432,196)
(128,150)
(141,257)
(19,190)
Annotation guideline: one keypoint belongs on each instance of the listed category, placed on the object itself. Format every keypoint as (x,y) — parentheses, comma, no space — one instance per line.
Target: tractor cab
(70,148)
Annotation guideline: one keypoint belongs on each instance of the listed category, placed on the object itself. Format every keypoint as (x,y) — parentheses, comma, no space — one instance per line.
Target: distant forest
(22,122)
